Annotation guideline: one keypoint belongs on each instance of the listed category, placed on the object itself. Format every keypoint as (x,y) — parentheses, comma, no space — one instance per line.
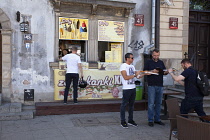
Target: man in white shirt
(73,62)
(128,73)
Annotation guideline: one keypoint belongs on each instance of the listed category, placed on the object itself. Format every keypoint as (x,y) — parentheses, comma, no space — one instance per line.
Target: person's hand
(170,70)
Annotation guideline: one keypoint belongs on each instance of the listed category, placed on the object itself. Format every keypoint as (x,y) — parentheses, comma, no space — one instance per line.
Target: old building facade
(30,58)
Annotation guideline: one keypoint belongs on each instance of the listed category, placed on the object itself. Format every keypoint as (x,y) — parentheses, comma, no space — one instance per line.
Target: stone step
(10,108)
(29,108)
(17,116)
(176,89)
(0,98)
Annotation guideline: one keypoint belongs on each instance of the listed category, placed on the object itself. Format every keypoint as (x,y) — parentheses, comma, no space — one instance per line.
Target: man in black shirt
(155,88)
(193,97)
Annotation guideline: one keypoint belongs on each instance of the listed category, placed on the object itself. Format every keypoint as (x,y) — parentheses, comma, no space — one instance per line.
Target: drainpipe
(147,48)
(157,25)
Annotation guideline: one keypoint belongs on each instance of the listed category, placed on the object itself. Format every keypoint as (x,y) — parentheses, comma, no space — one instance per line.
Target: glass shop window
(110,51)
(65,47)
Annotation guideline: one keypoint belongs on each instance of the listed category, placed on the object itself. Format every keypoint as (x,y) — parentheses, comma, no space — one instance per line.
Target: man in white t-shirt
(73,62)
(128,73)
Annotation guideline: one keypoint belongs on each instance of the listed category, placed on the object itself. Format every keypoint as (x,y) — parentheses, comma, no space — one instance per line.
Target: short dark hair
(186,61)
(74,48)
(156,50)
(127,55)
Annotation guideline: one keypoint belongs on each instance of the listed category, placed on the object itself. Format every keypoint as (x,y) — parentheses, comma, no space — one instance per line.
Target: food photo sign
(101,85)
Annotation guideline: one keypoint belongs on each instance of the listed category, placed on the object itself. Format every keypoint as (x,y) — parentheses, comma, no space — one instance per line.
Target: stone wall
(174,42)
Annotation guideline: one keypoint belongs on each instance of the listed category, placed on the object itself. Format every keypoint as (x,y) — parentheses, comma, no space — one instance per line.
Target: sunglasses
(131,57)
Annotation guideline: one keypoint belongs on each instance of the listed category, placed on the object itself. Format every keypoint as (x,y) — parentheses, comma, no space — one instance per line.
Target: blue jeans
(155,94)
(129,96)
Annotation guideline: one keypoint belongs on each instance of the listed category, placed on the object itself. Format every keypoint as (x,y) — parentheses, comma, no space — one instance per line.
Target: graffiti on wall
(136,45)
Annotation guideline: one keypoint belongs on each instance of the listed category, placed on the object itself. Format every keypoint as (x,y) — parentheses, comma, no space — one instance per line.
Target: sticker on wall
(27,46)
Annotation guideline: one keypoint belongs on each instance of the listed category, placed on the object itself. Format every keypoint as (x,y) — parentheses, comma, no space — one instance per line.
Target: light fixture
(18,16)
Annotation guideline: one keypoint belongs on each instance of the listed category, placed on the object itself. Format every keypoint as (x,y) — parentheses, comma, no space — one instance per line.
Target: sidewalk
(96,126)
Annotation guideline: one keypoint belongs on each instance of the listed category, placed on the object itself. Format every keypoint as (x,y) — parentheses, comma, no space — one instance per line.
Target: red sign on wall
(139,20)
(173,23)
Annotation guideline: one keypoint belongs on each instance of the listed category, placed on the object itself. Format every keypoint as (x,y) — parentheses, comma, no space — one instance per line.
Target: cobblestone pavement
(96,126)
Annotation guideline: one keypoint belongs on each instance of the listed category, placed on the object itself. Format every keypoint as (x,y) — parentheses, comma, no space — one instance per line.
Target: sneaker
(151,124)
(132,123)
(65,103)
(160,123)
(124,125)
(75,101)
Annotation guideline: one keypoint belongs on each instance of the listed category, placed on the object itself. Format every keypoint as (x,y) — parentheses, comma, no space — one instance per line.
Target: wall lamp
(18,16)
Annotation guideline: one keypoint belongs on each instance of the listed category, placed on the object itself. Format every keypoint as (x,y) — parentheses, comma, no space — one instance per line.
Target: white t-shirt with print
(130,70)
(72,61)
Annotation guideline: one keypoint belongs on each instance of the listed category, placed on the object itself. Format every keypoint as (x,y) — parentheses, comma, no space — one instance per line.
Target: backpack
(203,83)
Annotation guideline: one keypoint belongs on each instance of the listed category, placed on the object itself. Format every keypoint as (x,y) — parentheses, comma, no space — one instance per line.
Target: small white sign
(27,46)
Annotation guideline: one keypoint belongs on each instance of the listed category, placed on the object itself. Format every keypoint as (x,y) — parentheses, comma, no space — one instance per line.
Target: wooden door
(199,41)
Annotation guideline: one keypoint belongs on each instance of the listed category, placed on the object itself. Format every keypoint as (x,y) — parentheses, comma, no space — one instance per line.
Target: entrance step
(90,106)
(206,99)
(0,97)
(10,108)
(17,116)
(15,111)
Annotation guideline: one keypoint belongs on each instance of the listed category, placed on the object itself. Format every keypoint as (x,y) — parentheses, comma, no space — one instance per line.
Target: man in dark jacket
(193,97)
(155,87)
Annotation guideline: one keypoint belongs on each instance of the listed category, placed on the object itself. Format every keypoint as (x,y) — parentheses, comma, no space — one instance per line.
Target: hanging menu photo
(73,28)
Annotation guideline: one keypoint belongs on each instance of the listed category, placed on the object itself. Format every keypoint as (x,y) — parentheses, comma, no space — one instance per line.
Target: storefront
(99,31)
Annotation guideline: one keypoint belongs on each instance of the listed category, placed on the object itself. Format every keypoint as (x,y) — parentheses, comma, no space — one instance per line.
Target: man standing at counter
(129,89)
(73,62)
(155,87)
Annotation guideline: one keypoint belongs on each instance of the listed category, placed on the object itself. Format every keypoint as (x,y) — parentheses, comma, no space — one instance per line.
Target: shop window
(65,47)
(110,51)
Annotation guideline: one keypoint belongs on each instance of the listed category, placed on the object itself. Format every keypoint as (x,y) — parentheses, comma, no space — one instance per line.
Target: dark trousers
(195,103)
(69,77)
(129,96)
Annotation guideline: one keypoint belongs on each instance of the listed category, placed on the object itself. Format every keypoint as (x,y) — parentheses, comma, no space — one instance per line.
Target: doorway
(199,40)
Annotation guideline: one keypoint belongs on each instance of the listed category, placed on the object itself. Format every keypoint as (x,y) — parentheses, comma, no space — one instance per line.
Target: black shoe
(132,123)
(160,123)
(124,125)
(151,124)
(75,101)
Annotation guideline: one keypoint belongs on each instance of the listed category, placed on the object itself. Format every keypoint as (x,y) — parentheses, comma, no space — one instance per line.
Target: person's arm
(177,78)
(80,69)
(127,77)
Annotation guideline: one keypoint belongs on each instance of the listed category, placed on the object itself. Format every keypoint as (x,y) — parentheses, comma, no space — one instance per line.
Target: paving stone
(5,108)
(15,107)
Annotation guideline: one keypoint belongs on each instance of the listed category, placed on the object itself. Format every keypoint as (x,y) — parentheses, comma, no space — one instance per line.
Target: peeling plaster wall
(138,34)
(30,67)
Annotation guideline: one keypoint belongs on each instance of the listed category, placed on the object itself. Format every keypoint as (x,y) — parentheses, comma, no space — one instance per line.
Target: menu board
(110,31)
(73,28)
